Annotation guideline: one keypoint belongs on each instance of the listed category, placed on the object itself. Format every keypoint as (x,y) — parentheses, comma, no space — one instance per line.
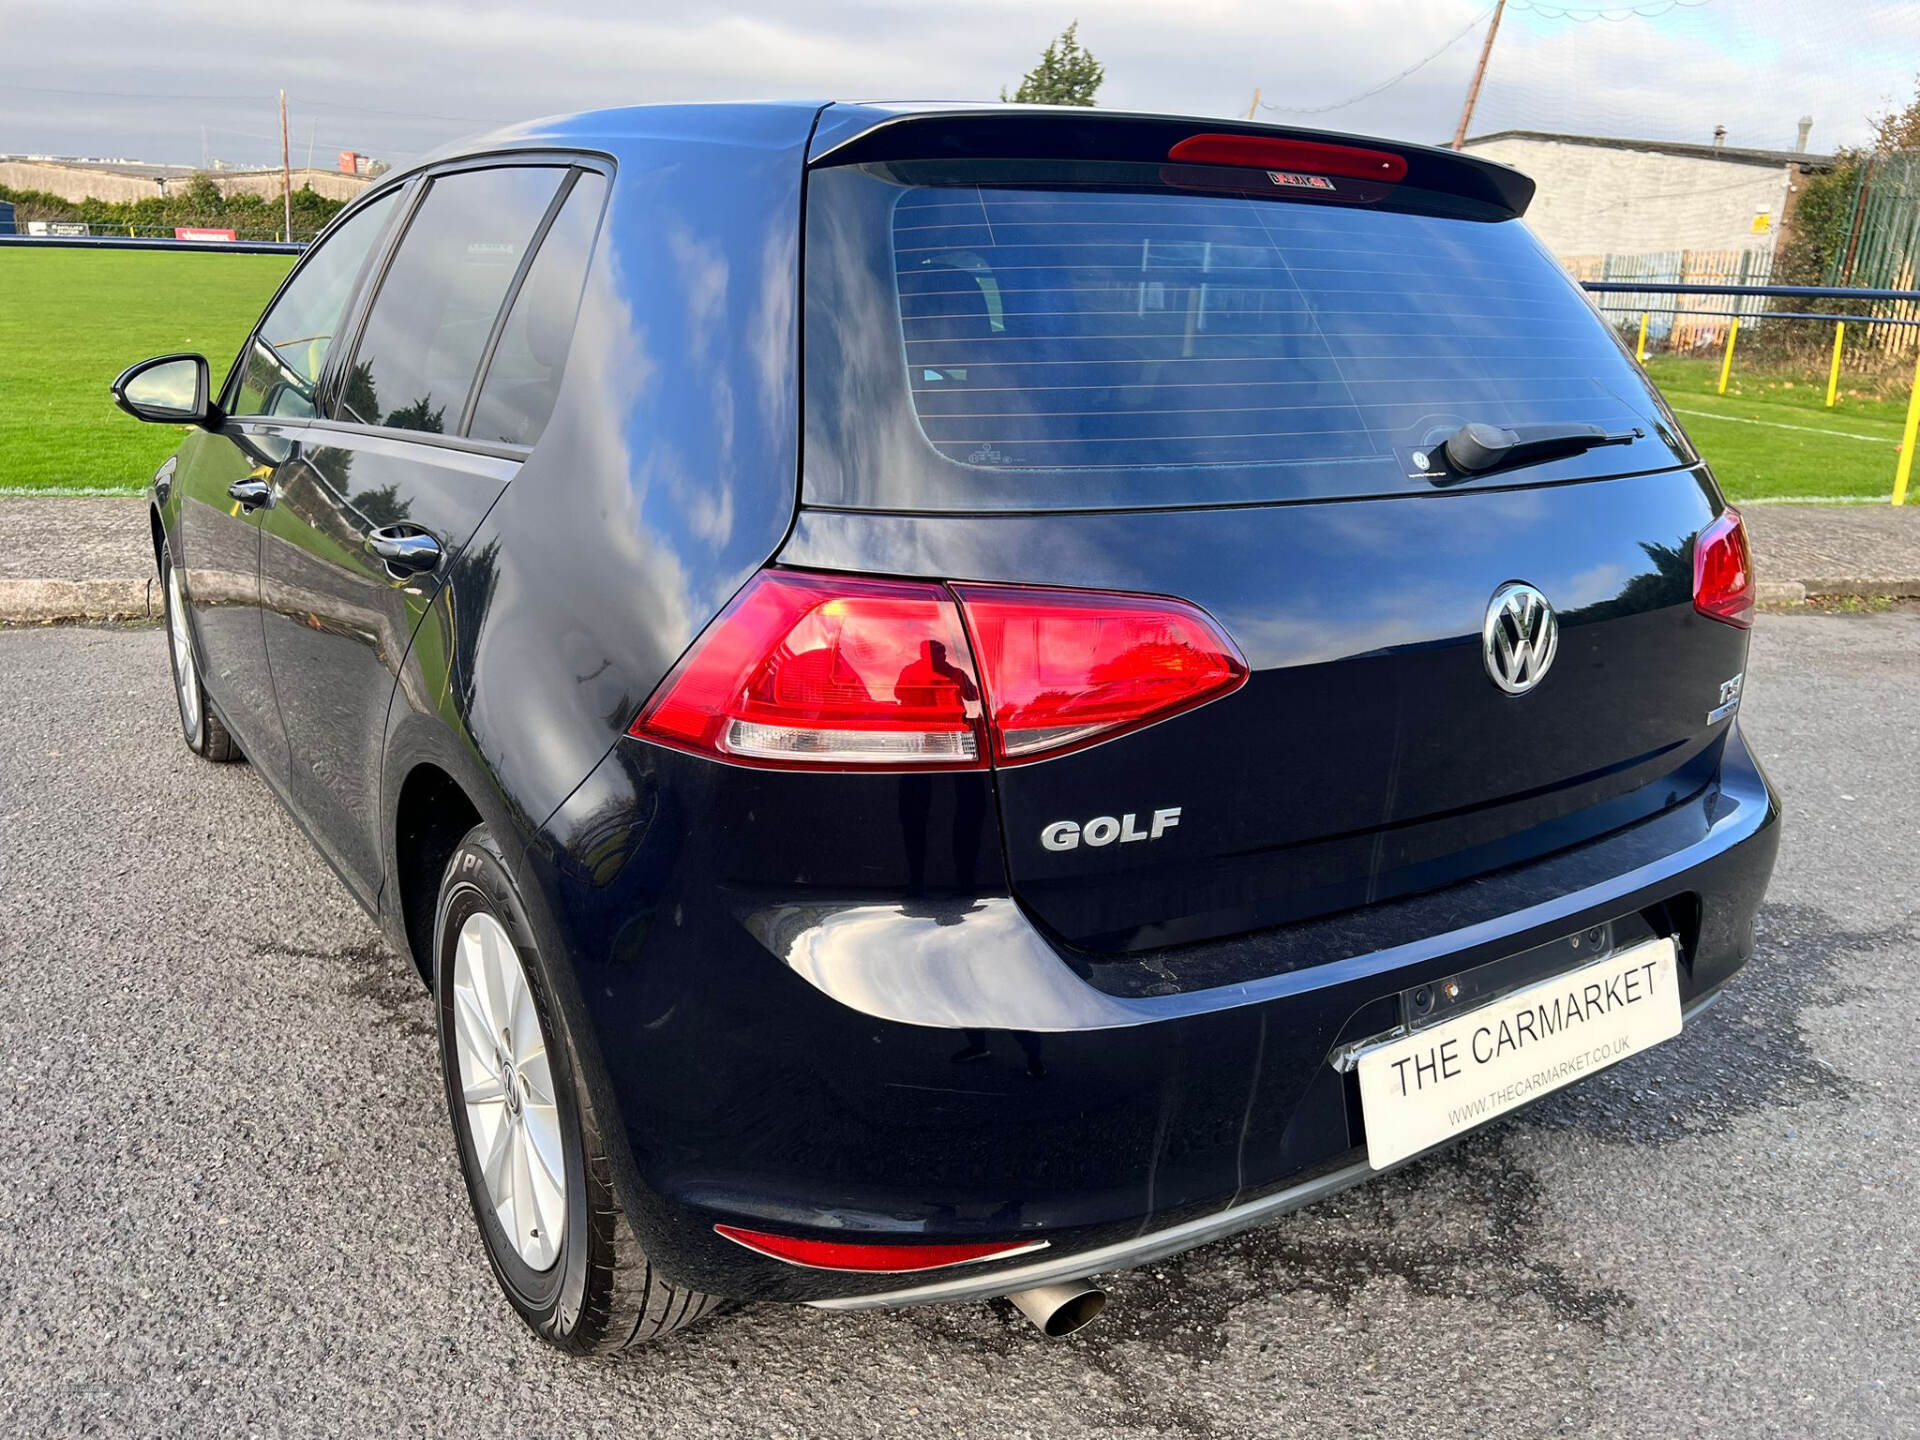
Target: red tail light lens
(1262,152)
(806,670)
(869,1258)
(1723,571)
(1065,668)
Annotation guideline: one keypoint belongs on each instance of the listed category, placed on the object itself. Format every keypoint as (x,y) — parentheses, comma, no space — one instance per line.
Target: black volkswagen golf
(951,699)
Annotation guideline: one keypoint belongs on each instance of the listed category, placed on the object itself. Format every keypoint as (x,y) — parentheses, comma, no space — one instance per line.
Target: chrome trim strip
(1122,1255)
(1159,1244)
(495,462)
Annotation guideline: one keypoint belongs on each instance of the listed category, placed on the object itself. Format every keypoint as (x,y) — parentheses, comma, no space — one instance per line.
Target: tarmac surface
(229,1201)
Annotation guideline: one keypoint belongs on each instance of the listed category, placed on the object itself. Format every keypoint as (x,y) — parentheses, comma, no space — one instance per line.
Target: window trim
(333,375)
(515,454)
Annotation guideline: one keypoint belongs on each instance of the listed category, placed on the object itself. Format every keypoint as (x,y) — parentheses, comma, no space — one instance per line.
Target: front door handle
(405,550)
(251,494)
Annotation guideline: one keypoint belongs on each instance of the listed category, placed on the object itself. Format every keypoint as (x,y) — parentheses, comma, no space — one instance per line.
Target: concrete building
(120,180)
(1601,196)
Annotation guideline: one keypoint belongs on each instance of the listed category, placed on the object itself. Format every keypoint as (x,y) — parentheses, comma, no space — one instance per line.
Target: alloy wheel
(186,672)
(507,1086)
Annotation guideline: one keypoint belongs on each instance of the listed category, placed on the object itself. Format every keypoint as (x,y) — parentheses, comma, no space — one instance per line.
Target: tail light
(805,670)
(810,670)
(1723,571)
(866,1257)
(1065,668)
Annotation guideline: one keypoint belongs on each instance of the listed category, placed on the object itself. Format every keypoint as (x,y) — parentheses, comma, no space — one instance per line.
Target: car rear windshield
(1090,336)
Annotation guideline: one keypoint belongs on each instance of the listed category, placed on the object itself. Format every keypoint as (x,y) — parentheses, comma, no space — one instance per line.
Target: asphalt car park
(227,1201)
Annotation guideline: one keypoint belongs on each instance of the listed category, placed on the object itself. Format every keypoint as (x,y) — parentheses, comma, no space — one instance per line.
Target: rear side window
(282,364)
(424,337)
(1131,343)
(523,377)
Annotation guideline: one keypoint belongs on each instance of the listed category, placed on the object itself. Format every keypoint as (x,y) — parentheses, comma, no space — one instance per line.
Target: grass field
(1771,437)
(71,320)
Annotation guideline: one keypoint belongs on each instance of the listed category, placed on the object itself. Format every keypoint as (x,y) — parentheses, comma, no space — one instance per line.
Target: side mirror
(169,390)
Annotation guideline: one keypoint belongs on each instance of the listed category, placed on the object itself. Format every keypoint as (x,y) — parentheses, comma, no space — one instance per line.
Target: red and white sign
(195,232)
(1299,181)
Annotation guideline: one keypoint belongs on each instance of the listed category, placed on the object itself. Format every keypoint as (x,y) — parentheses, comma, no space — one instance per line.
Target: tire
(591,1289)
(199,726)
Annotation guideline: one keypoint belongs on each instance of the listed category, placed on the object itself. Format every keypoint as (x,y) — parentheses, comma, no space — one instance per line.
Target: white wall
(77,182)
(1595,199)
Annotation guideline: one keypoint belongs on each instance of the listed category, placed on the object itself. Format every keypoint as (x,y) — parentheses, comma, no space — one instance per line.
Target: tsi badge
(1729,699)
(1105,829)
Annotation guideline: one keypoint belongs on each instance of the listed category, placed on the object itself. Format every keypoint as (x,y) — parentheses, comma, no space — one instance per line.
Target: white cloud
(1753,65)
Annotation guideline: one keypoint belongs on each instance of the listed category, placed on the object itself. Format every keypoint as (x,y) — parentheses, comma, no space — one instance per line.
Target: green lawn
(71,320)
(1772,437)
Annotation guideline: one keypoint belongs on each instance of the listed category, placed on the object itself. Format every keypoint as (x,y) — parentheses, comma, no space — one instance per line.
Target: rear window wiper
(1477,447)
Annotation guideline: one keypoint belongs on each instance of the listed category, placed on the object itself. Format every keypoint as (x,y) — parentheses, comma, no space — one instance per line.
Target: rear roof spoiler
(859,134)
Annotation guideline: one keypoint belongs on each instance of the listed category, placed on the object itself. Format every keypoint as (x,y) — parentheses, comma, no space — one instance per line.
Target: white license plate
(1419,1089)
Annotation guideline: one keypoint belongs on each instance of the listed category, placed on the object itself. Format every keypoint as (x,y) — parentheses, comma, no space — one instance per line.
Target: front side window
(429,324)
(281,367)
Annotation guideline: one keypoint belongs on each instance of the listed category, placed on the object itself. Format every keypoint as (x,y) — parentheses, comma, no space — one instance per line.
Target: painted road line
(1811,500)
(1782,425)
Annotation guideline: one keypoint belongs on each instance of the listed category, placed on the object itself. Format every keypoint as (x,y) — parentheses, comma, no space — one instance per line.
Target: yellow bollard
(1833,375)
(1726,365)
(1640,353)
(1906,441)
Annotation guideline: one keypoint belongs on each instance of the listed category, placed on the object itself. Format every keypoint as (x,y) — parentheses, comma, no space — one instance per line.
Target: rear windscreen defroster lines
(1143,346)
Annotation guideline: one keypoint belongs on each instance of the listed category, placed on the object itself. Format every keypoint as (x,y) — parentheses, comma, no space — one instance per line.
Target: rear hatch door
(1234,387)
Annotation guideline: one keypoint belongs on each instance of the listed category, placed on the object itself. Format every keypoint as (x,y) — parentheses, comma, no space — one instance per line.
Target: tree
(1066,74)
(1898,129)
(422,414)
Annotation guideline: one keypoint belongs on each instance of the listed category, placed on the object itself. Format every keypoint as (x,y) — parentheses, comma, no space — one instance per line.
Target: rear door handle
(406,551)
(251,494)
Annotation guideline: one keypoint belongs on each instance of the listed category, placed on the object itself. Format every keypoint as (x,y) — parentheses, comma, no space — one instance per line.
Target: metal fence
(1885,336)
(1668,326)
(83,229)
(1888,310)
(125,242)
(1883,224)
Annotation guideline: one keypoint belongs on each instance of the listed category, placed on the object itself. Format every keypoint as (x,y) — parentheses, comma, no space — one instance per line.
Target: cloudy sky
(186,80)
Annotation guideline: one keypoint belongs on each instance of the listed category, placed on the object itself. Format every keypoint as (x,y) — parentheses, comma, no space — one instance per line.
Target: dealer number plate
(1421,1088)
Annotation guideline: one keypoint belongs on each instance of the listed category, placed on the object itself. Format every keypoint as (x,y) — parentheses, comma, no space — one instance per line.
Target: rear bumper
(930,1072)
(1140,1249)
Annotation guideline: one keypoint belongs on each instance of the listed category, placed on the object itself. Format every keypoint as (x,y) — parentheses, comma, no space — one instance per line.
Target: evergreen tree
(1066,74)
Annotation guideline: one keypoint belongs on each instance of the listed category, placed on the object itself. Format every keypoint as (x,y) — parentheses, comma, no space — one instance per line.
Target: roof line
(1732,154)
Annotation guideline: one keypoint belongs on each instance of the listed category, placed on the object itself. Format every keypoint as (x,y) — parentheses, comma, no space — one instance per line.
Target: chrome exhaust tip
(1060,1310)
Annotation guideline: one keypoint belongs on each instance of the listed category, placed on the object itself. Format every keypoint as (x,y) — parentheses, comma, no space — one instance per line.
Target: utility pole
(1253,110)
(286,163)
(1479,74)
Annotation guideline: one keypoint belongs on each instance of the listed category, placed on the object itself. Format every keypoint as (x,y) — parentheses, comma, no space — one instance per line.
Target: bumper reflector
(867,1258)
